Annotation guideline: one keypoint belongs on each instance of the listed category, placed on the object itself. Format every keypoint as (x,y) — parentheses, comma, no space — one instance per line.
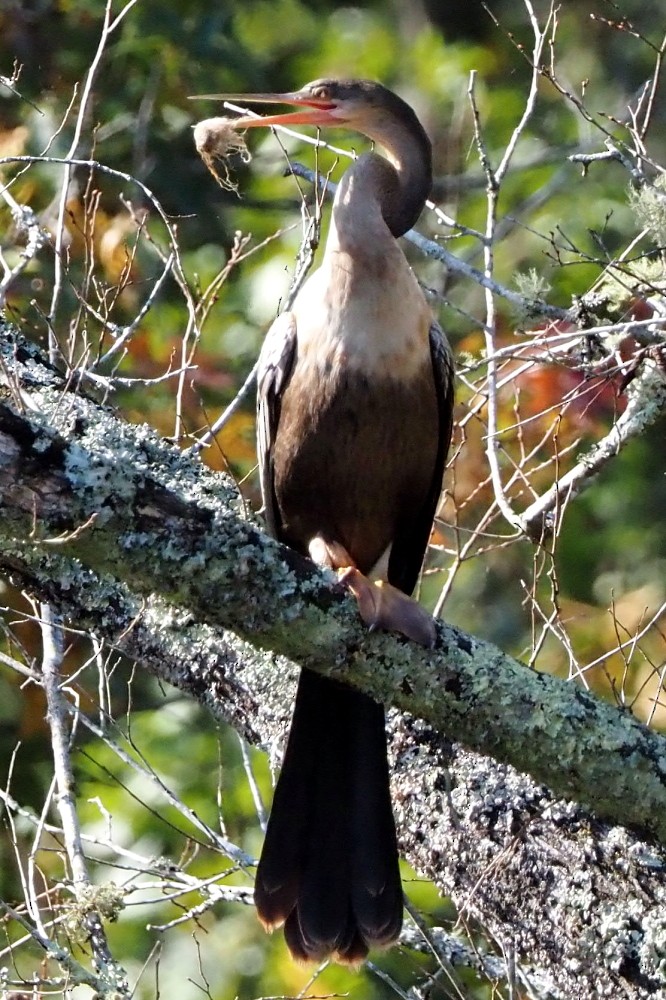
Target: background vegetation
(587,603)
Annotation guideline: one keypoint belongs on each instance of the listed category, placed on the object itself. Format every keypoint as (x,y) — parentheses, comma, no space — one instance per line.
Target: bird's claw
(383,606)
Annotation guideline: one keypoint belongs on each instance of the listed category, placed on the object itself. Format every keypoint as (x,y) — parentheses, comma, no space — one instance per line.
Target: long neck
(385,192)
(398,182)
(409,156)
(373,206)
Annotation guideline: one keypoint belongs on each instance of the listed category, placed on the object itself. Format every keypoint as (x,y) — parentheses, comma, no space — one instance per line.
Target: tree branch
(98,517)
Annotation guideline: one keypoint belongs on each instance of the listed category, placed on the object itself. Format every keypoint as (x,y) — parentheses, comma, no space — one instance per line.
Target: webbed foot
(382,605)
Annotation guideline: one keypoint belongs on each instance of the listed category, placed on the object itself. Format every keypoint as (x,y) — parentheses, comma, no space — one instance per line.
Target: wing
(274,367)
(410,545)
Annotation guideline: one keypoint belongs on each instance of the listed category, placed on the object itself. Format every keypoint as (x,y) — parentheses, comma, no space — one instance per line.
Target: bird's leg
(380,604)
(329,555)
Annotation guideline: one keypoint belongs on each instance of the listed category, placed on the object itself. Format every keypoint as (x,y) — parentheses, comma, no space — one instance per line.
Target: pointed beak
(315,111)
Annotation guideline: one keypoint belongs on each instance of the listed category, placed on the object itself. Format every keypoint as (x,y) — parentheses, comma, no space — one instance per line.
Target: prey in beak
(315,110)
(217,138)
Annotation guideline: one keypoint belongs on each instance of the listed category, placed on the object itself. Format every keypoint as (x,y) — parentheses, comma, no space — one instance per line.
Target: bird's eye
(322,93)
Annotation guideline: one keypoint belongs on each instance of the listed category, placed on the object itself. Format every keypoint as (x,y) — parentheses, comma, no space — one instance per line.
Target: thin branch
(646,403)
(27,222)
(494,179)
(108,27)
(435,251)
(124,333)
(112,974)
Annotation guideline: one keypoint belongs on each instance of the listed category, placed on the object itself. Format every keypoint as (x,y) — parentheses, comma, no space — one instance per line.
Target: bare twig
(113,976)
(647,402)
(494,179)
(109,25)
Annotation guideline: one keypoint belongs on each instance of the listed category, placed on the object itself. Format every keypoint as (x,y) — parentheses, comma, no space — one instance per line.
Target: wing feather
(409,545)
(276,362)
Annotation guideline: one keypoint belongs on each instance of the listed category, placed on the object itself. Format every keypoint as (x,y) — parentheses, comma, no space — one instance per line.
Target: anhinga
(355,405)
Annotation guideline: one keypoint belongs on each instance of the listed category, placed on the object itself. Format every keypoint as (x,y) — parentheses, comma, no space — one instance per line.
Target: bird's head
(361,105)
(369,108)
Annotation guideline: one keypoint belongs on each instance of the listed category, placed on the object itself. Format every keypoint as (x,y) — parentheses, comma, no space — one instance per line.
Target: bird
(354,417)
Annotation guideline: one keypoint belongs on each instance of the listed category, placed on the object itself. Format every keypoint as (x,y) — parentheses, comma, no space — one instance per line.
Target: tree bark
(141,544)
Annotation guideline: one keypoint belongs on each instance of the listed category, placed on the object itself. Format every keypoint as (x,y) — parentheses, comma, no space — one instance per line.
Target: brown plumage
(354,421)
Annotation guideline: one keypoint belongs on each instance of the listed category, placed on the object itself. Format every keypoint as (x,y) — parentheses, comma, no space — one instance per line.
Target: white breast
(366,314)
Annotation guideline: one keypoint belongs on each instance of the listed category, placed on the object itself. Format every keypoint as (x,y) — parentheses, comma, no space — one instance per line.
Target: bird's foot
(380,604)
(383,606)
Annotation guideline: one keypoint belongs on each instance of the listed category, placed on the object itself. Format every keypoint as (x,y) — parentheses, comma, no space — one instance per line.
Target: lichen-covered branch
(125,536)
(77,482)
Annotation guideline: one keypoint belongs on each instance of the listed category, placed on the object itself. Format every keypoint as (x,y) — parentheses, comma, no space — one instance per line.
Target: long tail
(329,868)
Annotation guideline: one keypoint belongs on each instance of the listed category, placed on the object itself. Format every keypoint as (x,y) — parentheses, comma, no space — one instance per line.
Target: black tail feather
(329,867)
